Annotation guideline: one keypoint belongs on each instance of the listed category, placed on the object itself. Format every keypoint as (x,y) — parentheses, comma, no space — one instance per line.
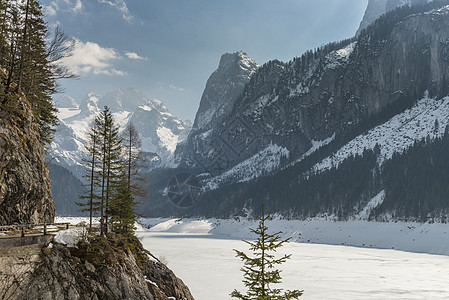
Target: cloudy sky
(169,48)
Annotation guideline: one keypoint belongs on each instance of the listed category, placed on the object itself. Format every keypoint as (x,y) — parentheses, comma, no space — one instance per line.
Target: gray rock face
(326,93)
(25,191)
(222,90)
(29,273)
(376,8)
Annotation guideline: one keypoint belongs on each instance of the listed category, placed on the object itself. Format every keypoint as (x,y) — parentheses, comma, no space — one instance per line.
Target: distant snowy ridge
(159,130)
(394,136)
(397,134)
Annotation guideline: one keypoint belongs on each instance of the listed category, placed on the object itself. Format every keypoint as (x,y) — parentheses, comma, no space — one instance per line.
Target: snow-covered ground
(431,238)
(201,253)
(330,260)
(406,236)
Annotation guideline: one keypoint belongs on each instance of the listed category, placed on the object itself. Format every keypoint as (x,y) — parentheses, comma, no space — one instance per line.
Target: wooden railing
(23,229)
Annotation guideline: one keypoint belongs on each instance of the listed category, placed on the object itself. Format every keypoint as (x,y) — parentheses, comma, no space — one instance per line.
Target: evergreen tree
(133,162)
(121,209)
(122,206)
(92,177)
(111,174)
(259,270)
(110,161)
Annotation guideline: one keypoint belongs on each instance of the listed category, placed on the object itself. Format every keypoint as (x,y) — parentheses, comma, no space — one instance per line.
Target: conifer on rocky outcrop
(112,175)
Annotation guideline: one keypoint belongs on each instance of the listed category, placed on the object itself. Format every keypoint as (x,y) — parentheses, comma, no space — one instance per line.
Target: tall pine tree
(133,161)
(110,161)
(92,199)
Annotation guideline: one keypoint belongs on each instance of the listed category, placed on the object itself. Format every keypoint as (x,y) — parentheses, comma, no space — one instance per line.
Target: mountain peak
(240,58)
(223,87)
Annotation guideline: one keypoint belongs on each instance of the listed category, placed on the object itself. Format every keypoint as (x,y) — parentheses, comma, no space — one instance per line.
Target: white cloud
(170,86)
(74,6)
(91,58)
(175,88)
(78,6)
(49,11)
(134,55)
(121,6)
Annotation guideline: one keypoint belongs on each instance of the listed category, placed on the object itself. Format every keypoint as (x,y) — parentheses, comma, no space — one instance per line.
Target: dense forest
(416,182)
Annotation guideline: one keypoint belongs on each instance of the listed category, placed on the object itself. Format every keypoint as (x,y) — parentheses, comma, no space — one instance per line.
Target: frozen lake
(207,264)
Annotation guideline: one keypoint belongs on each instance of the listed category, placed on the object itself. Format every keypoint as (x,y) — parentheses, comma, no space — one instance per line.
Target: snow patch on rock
(70,237)
(397,134)
(264,162)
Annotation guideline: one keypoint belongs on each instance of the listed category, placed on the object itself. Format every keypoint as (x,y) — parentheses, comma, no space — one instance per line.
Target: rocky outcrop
(373,11)
(25,191)
(56,273)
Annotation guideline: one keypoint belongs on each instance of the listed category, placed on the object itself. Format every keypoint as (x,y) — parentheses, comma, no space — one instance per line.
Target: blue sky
(169,48)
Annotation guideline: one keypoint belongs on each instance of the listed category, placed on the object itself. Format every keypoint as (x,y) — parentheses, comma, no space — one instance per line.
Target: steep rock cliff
(222,90)
(25,191)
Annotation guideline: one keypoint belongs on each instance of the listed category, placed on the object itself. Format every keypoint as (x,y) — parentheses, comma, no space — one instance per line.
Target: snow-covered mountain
(325,133)
(159,130)
(429,118)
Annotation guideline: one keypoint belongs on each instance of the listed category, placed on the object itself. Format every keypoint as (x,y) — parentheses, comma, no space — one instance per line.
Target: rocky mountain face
(376,8)
(25,191)
(33,272)
(159,130)
(314,97)
(222,90)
